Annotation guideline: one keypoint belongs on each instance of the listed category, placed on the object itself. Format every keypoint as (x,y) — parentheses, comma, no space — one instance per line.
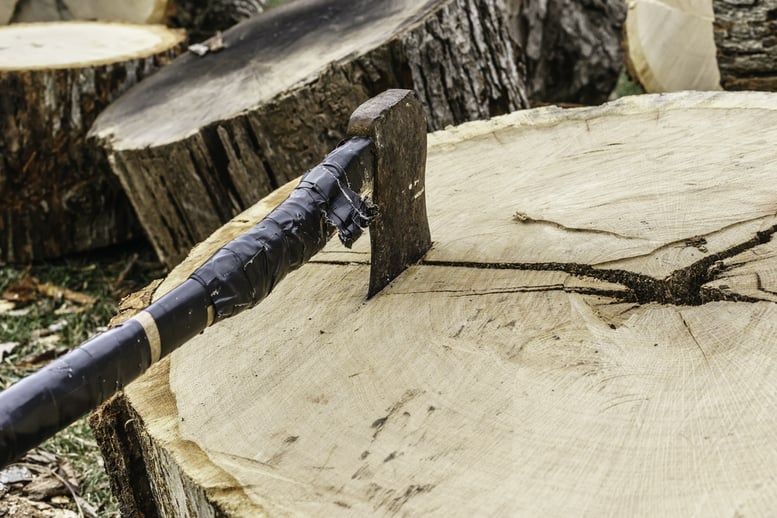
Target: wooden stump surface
(591,334)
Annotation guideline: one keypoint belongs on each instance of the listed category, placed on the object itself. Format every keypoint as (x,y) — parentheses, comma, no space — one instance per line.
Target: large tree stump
(57,192)
(591,333)
(208,136)
(572,49)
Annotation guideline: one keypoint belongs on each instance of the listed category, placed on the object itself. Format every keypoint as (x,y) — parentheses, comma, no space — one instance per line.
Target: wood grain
(509,372)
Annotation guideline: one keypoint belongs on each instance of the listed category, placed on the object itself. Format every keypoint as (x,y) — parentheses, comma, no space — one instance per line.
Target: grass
(45,320)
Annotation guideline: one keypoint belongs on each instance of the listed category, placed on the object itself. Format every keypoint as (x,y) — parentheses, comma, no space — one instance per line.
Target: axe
(374,178)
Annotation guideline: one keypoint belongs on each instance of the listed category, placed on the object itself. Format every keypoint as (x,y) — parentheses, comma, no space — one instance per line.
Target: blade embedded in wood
(386,153)
(400,236)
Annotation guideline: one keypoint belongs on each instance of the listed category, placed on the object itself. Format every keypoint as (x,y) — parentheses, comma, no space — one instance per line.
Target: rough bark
(277,98)
(746,39)
(203,18)
(572,48)
(57,192)
(604,308)
(134,11)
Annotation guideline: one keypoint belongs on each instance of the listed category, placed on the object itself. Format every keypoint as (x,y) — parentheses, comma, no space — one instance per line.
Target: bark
(572,48)
(272,102)
(202,18)
(579,309)
(745,35)
(57,192)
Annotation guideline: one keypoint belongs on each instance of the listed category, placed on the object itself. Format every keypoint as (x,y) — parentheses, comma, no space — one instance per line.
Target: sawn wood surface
(592,334)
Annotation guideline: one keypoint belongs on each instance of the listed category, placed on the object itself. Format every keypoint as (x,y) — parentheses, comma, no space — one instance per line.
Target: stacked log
(702,44)
(594,325)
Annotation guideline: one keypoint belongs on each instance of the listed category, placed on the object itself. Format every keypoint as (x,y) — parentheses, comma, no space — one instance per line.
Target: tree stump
(209,135)
(57,192)
(592,332)
(572,49)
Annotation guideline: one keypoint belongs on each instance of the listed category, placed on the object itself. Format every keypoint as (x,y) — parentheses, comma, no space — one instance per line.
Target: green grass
(107,276)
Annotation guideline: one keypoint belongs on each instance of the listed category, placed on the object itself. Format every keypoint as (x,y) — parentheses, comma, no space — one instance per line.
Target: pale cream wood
(540,387)
(670,45)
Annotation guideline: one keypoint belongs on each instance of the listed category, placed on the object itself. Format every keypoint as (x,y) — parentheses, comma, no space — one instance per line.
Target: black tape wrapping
(246,270)
(238,276)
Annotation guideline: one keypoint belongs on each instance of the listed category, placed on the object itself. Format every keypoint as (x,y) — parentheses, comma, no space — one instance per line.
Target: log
(57,192)
(702,44)
(592,332)
(209,135)
(745,38)
(573,50)
(133,11)
(670,45)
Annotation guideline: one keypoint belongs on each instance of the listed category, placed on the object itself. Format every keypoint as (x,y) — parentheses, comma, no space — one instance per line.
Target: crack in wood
(682,287)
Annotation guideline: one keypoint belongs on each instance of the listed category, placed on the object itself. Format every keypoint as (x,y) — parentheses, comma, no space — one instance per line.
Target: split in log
(208,136)
(133,11)
(572,49)
(594,325)
(745,35)
(57,192)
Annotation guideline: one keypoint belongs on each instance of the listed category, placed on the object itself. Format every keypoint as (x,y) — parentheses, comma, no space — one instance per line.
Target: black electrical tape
(245,271)
(238,276)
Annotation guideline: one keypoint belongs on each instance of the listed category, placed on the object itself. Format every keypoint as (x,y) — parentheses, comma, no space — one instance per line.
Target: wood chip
(15,473)
(7,348)
(58,292)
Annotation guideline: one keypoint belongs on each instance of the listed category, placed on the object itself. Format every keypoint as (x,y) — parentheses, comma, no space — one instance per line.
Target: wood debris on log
(619,330)
(209,135)
(57,192)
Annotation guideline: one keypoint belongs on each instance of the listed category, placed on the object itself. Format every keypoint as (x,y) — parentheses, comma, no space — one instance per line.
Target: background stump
(591,333)
(57,192)
(702,44)
(208,136)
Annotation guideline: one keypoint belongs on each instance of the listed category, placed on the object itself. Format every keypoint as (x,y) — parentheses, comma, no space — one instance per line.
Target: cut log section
(670,45)
(745,37)
(209,135)
(573,50)
(133,11)
(593,330)
(57,192)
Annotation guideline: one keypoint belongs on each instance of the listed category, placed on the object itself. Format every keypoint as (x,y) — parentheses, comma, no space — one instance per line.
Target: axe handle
(385,157)
(237,277)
